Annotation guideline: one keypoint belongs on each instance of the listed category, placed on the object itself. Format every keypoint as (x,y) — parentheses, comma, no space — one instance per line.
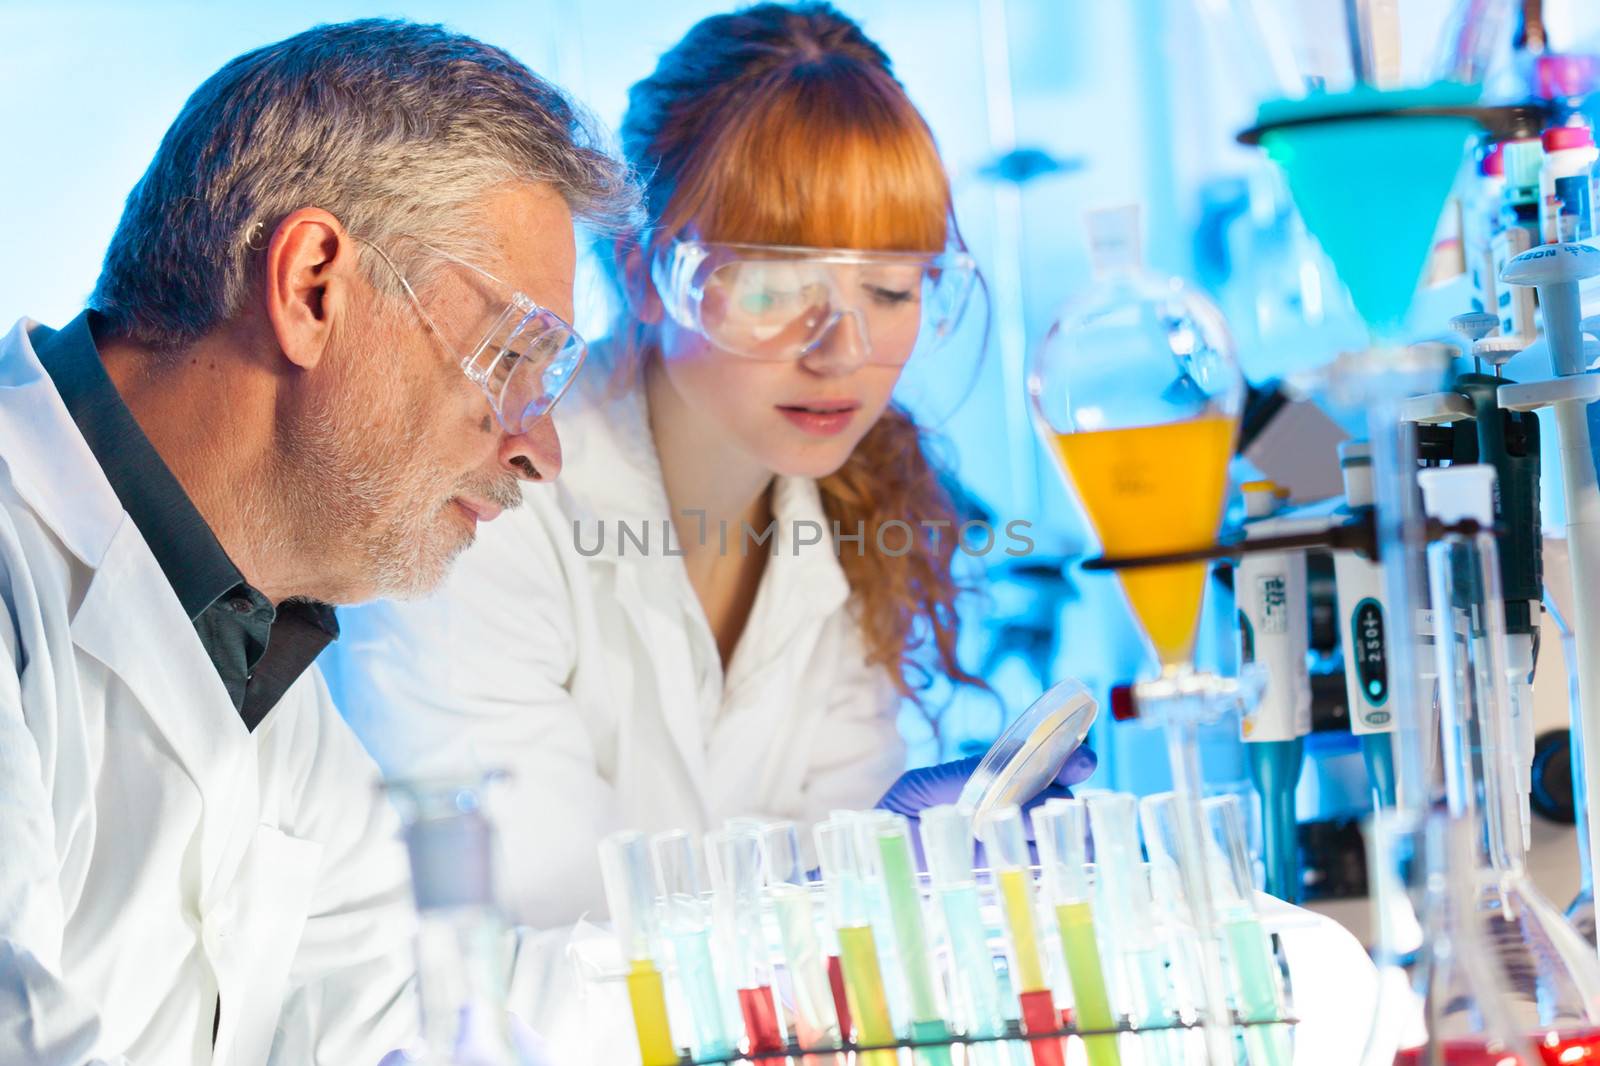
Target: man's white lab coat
(594,677)
(154,854)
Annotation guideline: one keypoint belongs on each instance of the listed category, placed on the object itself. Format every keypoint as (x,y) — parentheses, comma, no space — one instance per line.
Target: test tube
(1156,814)
(1006,843)
(625,869)
(1257,988)
(850,915)
(1129,912)
(816,1019)
(896,866)
(979,1007)
(686,921)
(734,857)
(884,929)
(1060,829)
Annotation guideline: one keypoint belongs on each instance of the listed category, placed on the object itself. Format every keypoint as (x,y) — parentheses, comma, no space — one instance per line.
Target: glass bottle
(463,946)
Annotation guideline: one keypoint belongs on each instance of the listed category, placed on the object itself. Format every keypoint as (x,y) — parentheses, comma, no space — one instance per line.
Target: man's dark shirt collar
(259,651)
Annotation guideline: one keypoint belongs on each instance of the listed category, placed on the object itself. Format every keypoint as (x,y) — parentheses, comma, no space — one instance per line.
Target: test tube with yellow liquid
(1061,830)
(1137,393)
(629,883)
(1005,842)
(850,913)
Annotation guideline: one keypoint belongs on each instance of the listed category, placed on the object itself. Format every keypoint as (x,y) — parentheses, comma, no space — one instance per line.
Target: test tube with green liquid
(1257,987)
(630,893)
(850,915)
(896,867)
(1061,829)
(1135,957)
(884,930)
(686,923)
(980,1007)
(816,1021)
(1005,842)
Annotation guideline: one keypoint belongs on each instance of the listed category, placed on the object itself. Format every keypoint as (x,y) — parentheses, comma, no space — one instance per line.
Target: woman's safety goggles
(780,302)
(527,357)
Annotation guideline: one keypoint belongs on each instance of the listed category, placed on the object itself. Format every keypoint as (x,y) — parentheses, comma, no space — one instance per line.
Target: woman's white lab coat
(595,680)
(155,855)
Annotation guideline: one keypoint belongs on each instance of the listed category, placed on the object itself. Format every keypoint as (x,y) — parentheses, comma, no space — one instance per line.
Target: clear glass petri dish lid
(1031,750)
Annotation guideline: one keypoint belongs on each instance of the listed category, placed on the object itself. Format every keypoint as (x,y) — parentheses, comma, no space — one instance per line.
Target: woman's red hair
(784,124)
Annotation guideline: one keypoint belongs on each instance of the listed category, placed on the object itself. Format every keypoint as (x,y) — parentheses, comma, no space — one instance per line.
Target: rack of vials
(1045,938)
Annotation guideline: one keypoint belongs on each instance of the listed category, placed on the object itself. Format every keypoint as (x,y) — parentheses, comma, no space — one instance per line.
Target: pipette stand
(1556,270)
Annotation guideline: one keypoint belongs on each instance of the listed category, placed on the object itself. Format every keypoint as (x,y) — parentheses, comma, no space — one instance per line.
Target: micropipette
(1270,591)
(816,1020)
(1129,911)
(1060,830)
(734,856)
(1005,843)
(1257,989)
(1363,618)
(850,915)
(896,865)
(625,869)
(686,922)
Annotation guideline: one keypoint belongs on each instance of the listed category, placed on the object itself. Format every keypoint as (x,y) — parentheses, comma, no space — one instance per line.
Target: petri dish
(1031,751)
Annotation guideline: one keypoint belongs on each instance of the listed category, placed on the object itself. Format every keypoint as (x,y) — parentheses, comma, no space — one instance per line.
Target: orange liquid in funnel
(1149,490)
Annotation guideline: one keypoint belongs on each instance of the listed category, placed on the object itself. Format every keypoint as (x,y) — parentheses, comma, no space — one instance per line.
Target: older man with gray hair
(325,344)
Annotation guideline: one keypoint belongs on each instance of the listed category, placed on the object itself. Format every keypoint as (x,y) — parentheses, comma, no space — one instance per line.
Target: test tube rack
(1013,1034)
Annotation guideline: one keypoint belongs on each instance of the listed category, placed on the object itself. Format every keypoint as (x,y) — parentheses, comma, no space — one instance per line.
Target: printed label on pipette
(1371,665)
(1273,590)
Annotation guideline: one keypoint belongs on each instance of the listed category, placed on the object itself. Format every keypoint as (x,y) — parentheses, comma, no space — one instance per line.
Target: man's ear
(644,304)
(311,262)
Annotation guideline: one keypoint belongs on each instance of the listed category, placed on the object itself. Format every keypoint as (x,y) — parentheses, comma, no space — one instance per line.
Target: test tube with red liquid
(734,858)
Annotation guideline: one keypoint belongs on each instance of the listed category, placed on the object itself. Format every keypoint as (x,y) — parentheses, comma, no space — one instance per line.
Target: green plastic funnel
(1371,184)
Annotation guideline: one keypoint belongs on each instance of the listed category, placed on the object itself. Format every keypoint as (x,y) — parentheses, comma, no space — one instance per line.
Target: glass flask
(463,946)
(1138,398)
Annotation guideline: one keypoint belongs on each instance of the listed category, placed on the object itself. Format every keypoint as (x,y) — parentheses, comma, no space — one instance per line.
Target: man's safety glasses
(527,358)
(780,302)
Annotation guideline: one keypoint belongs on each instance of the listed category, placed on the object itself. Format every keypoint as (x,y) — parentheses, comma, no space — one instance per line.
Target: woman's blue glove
(929,786)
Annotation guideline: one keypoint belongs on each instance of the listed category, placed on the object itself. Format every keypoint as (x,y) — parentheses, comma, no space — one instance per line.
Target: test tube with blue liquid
(630,893)
(1171,908)
(1061,829)
(788,888)
(734,857)
(1139,963)
(850,914)
(686,923)
(1257,987)
(1005,843)
(980,1006)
